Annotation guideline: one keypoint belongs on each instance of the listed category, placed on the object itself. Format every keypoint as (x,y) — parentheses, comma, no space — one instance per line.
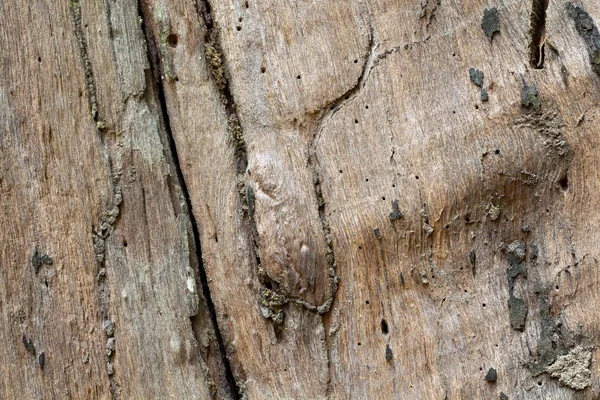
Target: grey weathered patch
(388,353)
(108,327)
(490,22)
(484,95)
(377,233)
(552,341)
(473,261)
(528,178)
(28,343)
(517,310)
(110,346)
(143,125)
(533,251)
(494,212)
(428,229)
(492,375)
(271,305)
(100,234)
(251,201)
(110,369)
(549,127)
(476,76)
(530,97)
(587,29)
(38,259)
(396,213)
(572,369)
(516,261)
(516,251)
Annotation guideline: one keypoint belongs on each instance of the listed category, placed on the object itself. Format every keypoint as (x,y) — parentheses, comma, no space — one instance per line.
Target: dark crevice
(537,31)
(216,65)
(102,232)
(156,67)
(85,59)
(313,162)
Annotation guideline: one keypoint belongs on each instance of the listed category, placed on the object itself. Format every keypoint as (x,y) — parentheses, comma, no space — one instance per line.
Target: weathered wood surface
(87,179)
(365,222)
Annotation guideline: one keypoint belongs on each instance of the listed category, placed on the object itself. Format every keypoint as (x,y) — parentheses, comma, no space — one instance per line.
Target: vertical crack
(537,30)
(102,232)
(313,163)
(156,69)
(85,59)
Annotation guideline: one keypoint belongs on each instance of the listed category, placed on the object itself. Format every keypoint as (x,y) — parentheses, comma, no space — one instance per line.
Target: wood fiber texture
(300,199)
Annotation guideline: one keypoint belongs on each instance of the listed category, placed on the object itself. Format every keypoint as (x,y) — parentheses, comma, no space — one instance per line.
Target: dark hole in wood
(564,183)
(172,40)
(384,327)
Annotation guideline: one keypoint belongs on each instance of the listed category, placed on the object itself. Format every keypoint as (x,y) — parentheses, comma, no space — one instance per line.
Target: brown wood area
(299,199)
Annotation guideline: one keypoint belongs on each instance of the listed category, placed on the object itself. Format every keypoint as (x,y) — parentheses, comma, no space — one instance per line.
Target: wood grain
(299,199)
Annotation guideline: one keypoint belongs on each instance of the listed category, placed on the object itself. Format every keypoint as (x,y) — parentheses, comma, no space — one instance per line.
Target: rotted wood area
(217,199)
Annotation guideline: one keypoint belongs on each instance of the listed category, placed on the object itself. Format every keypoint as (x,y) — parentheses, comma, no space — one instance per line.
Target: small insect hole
(384,327)
(172,40)
(263,69)
(564,183)
(238,28)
